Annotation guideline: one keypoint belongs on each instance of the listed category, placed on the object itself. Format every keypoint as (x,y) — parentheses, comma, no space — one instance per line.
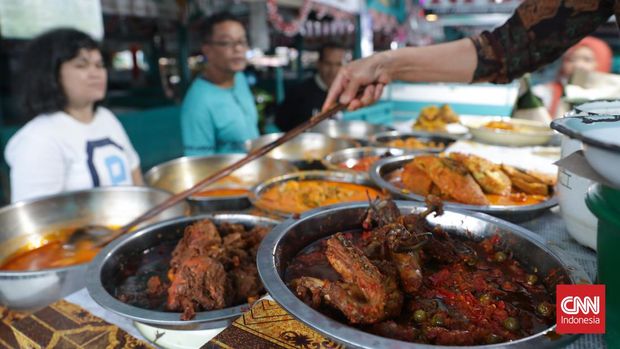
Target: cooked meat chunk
(211,267)
(199,283)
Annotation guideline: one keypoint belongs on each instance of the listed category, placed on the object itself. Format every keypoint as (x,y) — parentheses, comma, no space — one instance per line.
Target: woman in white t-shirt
(70,142)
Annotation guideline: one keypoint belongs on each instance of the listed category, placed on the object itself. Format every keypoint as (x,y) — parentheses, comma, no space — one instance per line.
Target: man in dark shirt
(306,99)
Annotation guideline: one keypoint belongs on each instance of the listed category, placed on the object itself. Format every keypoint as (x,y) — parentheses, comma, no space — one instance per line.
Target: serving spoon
(99,235)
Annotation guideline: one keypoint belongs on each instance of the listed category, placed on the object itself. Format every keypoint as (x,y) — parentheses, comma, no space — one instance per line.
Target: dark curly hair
(39,87)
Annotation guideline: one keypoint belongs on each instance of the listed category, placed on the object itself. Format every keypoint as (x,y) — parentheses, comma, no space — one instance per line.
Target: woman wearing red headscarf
(590,54)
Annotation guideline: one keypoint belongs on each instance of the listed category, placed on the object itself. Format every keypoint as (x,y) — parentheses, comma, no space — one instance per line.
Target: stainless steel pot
(27,222)
(180,174)
(287,239)
(104,273)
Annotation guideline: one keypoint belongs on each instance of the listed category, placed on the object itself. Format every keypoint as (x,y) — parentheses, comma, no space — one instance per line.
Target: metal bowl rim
(327,326)
(277,135)
(195,158)
(375,176)
(187,159)
(350,153)
(101,296)
(342,124)
(445,139)
(418,134)
(329,175)
(126,188)
(42,272)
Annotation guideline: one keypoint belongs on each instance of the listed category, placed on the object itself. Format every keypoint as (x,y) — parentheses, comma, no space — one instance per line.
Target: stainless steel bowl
(382,140)
(335,176)
(337,158)
(356,130)
(27,222)
(104,273)
(180,174)
(291,236)
(383,167)
(305,150)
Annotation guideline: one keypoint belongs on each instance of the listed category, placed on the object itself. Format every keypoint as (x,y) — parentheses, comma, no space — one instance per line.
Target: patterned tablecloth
(76,322)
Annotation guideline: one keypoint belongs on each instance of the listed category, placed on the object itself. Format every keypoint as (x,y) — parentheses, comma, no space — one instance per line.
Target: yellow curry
(300,196)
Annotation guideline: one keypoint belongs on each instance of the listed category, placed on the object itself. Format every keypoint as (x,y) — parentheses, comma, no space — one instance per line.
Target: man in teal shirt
(218,113)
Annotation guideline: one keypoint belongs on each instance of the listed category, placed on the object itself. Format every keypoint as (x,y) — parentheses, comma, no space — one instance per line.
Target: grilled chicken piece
(526,182)
(309,290)
(402,247)
(395,298)
(489,175)
(380,213)
(452,178)
(361,296)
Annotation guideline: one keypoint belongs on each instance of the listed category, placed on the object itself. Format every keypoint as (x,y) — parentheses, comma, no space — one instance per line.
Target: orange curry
(219,192)
(49,253)
(303,195)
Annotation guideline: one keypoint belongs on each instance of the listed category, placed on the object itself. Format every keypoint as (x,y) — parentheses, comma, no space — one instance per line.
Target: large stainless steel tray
(182,173)
(104,272)
(383,167)
(288,238)
(335,176)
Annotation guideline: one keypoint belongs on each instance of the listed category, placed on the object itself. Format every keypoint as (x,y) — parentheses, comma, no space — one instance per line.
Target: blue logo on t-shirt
(116,169)
(114,165)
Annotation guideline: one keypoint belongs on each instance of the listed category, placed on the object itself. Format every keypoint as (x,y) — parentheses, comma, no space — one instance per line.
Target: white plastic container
(580,222)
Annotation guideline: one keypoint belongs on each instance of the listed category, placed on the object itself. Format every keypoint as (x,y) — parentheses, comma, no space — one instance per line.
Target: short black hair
(330,45)
(215,19)
(39,87)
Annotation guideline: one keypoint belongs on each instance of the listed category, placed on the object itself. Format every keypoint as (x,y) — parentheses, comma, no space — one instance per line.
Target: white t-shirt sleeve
(37,165)
(119,130)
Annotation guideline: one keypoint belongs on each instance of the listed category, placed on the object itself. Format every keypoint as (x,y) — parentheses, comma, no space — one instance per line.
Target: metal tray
(26,223)
(355,130)
(103,273)
(512,213)
(287,239)
(382,139)
(304,151)
(332,161)
(335,176)
(182,173)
